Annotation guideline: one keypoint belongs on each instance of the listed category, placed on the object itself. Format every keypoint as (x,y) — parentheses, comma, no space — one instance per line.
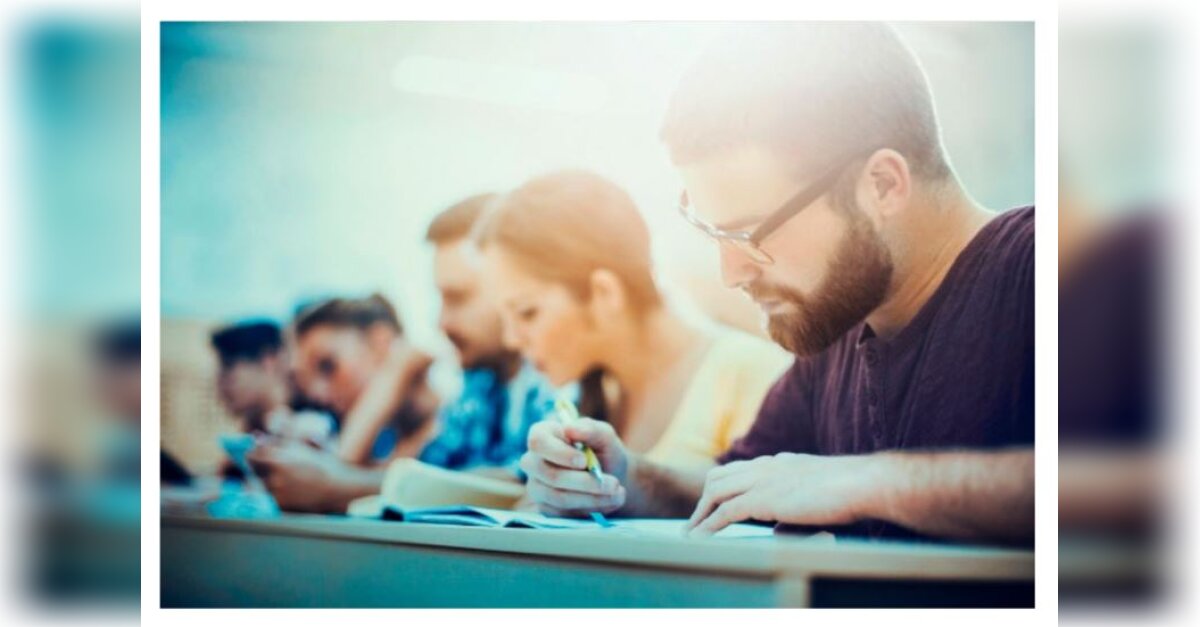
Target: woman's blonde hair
(562,227)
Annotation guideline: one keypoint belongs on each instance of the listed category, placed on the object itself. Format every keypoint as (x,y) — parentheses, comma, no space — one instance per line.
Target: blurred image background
(1124,94)
(76,247)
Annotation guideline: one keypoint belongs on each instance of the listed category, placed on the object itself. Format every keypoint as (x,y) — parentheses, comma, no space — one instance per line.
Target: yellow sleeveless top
(722,399)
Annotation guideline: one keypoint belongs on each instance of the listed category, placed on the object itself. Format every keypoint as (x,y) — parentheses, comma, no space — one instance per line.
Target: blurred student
(483,430)
(352,358)
(82,533)
(1115,453)
(487,425)
(1111,467)
(909,409)
(253,384)
(117,351)
(568,257)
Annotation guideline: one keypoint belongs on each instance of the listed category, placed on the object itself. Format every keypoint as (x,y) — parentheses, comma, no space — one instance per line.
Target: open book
(410,484)
(421,493)
(485,517)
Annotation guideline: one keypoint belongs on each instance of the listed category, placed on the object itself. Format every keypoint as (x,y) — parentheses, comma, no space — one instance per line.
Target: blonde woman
(567,256)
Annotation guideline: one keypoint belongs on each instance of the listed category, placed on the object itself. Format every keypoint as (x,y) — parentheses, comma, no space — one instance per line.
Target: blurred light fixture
(497,84)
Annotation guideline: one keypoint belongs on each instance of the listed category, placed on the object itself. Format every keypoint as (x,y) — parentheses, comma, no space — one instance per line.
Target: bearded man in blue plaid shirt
(488,424)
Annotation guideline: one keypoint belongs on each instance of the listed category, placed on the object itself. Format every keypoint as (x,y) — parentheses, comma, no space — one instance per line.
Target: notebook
(485,517)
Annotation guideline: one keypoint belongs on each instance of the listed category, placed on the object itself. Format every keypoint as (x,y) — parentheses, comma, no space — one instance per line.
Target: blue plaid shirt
(488,424)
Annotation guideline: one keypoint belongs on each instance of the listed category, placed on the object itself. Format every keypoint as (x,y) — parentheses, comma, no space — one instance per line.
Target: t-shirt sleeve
(784,422)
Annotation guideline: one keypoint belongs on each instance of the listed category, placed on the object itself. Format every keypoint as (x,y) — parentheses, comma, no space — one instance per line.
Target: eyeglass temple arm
(796,205)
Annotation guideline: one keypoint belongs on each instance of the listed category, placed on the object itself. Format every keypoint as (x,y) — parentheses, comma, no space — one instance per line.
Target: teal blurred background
(76,241)
(79,98)
(302,159)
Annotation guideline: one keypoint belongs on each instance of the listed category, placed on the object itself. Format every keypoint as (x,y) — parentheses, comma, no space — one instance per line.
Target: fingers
(558,481)
(418,365)
(729,512)
(406,364)
(599,435)
(723,483)
(548,441)
(275,483)
(261,459)
(267,458)
(556,502)
(726,470)
(567,479)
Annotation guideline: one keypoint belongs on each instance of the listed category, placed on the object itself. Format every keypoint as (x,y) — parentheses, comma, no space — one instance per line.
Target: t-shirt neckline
(920,322)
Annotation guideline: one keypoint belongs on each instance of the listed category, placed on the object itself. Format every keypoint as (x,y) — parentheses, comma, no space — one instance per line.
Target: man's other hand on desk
(964,495)
(788,487)
(559,482)
(305,479)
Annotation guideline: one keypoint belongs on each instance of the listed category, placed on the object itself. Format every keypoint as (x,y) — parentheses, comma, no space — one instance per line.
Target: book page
(673,527)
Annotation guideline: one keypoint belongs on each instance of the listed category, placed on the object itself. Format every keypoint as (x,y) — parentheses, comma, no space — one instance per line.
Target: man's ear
(608,296)
(888,184)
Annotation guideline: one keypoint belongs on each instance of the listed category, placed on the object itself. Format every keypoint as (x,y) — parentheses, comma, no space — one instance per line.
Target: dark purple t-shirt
(960,375)
(1109,338)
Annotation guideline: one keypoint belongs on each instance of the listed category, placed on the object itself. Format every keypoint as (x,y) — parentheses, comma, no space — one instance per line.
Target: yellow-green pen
(566,413)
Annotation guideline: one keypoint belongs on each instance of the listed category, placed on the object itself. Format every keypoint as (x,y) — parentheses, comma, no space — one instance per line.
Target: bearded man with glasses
(811,154)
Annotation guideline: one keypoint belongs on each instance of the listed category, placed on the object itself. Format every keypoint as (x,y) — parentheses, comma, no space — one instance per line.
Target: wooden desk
(315,561)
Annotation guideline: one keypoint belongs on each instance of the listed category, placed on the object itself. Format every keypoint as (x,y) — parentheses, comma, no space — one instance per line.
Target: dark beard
(504,363)
(856,283)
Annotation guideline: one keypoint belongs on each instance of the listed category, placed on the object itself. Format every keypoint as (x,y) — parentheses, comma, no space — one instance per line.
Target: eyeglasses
(750,242)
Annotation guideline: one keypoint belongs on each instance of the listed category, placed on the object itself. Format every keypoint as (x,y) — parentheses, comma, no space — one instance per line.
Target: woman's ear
(608,297)
(888,184)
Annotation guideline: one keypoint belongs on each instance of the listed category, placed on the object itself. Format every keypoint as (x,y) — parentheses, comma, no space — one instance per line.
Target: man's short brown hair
(455,222)
(812,92)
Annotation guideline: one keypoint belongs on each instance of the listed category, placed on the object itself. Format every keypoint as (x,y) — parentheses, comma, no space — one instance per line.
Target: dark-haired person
(811,153)
(117,375)
(352,358)
(252,382)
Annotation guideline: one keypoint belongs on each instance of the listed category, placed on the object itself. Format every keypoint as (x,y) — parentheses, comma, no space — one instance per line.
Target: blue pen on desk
(566,413)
